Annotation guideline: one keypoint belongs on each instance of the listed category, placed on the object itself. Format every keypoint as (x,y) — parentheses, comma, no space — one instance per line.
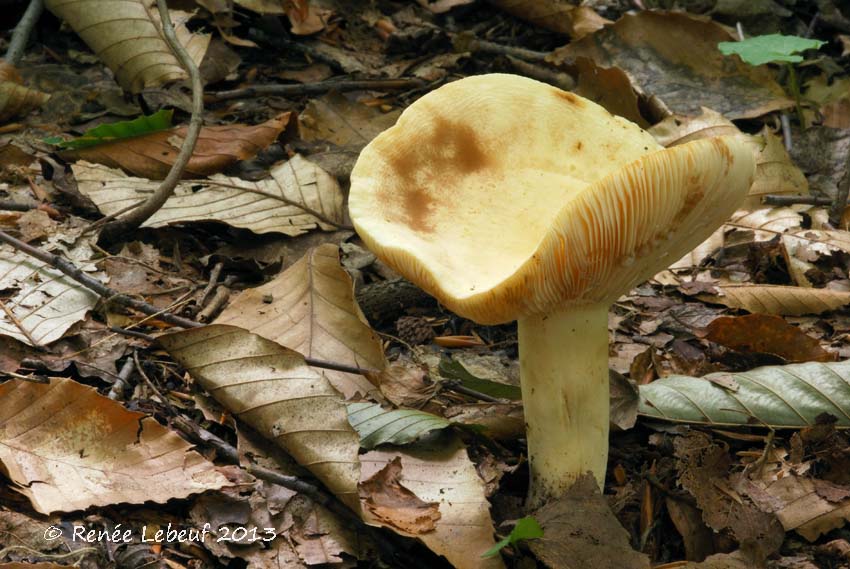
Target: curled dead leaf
(394,504)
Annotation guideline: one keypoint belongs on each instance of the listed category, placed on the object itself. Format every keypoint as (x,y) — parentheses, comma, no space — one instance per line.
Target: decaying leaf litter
(337,405)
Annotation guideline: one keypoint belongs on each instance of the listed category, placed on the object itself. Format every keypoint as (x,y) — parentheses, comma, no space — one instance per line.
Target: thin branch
(317,88)
(837,208)
(116,392)
(22,32)
(116,230)
(468,42)
(454,385)
(95,285)
(111,295)
(792,200)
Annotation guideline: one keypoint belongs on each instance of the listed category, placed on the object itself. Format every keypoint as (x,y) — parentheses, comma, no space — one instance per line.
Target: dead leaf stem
(114,231)
(318,88)
(22,32)
(837,208)
(93,284)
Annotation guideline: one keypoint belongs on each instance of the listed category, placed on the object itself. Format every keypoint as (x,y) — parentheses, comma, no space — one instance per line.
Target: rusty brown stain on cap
(426,170)
(568,97)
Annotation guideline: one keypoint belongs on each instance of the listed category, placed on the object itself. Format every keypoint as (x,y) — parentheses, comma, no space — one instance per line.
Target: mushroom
(509,199)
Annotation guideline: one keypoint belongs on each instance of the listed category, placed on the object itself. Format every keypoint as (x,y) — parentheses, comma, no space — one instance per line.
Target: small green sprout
(774,48)
(526,528)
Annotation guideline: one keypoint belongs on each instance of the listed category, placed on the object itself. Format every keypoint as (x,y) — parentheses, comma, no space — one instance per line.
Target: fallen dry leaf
(703,467)
(555,15)
(270,388)
(42,303)
(298,197)
(778,299)
(609,87)
(798,505)
(696,536)
(499,421)
(442,473)
(16,99)
(152,155)
(769,334)
(580,531)
(86,450)
(334,118)
(442,6)
(393,504)
(127,36)
(673,58)
(310,308)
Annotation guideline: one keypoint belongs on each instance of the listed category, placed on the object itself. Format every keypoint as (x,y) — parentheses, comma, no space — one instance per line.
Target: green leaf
(790,396)
(526,528)
(111,132)
(769,48)
(451,369)
(377,426)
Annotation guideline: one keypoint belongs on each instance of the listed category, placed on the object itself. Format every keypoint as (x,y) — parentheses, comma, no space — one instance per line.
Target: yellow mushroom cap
(502,196)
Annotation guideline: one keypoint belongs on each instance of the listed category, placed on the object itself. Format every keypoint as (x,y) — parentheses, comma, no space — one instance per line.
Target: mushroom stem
(563,360)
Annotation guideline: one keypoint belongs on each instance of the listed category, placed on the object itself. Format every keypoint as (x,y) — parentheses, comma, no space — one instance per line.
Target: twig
(214,274)
(791,200)
(116,230)
(95,285)
(111,295)
(454,385)
(837,208)
(786,131)
(7,205)
(222,294)
(116,392)
(21,35)
(18,324)
(468,42)
(153,387)
(317,88)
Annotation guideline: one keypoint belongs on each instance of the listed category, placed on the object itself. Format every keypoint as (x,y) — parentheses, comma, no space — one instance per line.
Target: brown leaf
(624,401)
(152,155)
(499,421)
(609,87)
(673,58)
(442,473)
(581,532)
(442,6)
(554,15)
(394,504)
(15,99)
(696,536)
(703,467)
(86,450)
(270,388)
(127,36)
(803,509)
(778,299)
(767,334)
(297,197)
(406,384)
(310,308)
(334,118)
